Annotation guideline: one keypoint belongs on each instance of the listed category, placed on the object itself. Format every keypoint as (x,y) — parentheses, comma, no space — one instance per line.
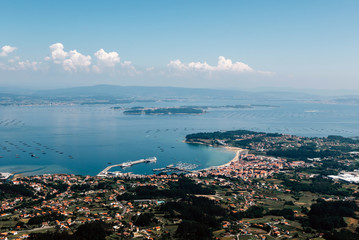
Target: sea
(85,139)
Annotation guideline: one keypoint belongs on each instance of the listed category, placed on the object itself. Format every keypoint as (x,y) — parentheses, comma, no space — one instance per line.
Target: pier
(124,165)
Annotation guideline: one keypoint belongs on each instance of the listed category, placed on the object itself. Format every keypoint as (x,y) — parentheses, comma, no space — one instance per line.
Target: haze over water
(84,139)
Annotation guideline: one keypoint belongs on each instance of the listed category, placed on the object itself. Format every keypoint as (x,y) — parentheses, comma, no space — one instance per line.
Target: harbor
(179,168)
(5,175)
(106,172)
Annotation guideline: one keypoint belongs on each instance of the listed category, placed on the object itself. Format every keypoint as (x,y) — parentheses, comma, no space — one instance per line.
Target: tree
(254,212)
(193,231)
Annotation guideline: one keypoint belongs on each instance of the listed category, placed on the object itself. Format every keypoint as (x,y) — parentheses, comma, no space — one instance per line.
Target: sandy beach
(237,150)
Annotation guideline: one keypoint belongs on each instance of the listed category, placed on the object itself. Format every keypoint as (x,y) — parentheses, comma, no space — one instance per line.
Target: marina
(179,168)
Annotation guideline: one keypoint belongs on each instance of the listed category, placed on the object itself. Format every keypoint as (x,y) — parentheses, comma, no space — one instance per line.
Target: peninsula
(277,186)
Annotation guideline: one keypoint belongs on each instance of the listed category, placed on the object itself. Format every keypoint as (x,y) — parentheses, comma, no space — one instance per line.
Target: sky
(301,44)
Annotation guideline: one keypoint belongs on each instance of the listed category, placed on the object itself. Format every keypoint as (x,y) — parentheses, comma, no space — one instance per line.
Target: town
(254,196)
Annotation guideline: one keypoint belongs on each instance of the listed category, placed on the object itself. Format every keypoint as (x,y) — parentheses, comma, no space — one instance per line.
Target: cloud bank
(222,65)
(103,62)
(71,60)
(15,63)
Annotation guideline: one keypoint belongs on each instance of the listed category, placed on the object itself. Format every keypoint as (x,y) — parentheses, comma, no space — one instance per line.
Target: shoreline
(29,170)
(237,151)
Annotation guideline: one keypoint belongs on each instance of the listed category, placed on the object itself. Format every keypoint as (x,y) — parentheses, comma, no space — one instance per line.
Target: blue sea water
(84,139)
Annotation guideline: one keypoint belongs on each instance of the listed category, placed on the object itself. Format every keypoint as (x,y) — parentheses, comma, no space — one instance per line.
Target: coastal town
(179,120)
(251,197)
(249,166)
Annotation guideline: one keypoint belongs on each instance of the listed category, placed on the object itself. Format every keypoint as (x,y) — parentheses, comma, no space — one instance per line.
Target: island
(163,111)
(183,109)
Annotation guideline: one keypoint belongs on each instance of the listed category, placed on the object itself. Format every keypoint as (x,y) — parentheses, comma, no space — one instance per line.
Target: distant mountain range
(113,91)
(131,91)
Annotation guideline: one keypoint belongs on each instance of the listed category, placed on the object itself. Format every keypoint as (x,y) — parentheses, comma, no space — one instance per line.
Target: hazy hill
(167,92)
(125,92)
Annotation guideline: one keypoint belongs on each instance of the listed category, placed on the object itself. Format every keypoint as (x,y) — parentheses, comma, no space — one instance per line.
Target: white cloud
(57,53)
(5,50)
(226,64)
(28,65)
(71,61)
(201,66)
(110,62)
(222,65)
(131,70)
(177,64)
(16,64)
(108,59)
(76,60)
(126,64)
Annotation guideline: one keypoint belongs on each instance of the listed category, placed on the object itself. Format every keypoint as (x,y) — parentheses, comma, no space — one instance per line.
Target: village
(72,208)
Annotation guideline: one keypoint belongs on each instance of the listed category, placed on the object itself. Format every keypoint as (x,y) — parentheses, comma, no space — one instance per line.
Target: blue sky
(215,44)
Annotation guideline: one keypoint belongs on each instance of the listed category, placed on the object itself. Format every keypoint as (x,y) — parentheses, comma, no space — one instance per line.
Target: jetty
(105,172)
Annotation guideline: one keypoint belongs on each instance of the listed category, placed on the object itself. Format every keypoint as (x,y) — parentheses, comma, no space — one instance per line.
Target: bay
(83,139)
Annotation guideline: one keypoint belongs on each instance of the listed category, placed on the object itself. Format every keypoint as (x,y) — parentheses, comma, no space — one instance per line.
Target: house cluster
(249,166)
(286,142)
(276,228)
(61,201)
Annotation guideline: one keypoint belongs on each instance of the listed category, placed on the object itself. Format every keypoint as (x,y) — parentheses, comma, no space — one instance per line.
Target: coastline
(237,151)
(33,170)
